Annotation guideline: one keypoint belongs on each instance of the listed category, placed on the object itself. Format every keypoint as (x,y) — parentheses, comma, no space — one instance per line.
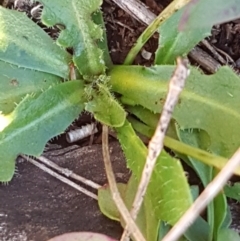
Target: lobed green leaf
(168,189)
(79,33)
(210,103)
(24,44)
(17,82)
(36,120)
(102,43)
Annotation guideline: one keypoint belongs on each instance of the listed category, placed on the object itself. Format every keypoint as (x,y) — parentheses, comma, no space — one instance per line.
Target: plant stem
(60,177)
(203,156)
(180,147)
(152,28)
(133,228)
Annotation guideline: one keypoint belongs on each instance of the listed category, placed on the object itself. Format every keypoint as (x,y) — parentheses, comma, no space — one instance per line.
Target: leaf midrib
(213,104)
(42,118)
(82,26)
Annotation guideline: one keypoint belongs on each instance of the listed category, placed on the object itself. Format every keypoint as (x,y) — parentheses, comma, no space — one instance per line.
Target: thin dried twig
(152,28)
(59,177)
(176,85)
(204,60)
(136,9)
(114,190)
(212,189)
(68,173)
(213,51)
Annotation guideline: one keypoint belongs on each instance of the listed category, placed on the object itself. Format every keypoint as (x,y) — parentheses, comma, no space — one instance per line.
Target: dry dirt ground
(34,205)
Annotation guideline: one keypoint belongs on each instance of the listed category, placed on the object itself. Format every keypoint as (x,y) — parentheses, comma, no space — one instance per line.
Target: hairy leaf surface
(168,189)
(24,44)
(102,43)
(79,32)
(210,103)
(105,107)
(147,221)
(15,83)
(36,120)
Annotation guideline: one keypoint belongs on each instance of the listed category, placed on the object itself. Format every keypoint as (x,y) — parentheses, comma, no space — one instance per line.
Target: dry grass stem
(68,173)
(136,9)
(134,230)
(176,85)
(59,177)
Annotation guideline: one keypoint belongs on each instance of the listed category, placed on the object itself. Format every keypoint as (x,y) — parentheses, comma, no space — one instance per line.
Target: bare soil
(35,206)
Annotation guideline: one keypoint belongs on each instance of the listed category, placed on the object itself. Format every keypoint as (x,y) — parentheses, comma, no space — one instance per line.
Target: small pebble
(146,55)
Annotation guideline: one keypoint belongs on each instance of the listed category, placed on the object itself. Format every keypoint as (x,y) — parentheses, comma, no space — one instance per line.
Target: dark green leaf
(210,103)
(228,219)
(229,235)
(24,44)
(79,32)
(196,138)
(102,43)
(17,82)
(36,120)
(220,212)
(233,191)
(198,231)
(174,43)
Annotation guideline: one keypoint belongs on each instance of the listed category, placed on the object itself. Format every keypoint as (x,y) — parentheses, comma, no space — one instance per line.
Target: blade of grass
(114,189)
(203,156)
(152,28)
